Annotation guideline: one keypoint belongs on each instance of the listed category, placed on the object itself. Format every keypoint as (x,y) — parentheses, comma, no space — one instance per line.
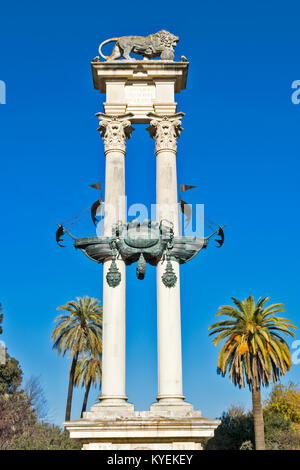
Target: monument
(141,91)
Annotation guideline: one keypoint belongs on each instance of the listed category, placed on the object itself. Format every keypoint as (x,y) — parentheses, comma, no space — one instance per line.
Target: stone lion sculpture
(160,44)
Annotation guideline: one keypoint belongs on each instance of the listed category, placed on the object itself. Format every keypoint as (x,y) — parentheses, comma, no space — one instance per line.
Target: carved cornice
(114,131)
(165,130)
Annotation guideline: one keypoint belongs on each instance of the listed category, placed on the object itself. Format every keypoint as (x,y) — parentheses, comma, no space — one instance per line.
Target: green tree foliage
(279,432)
(89,373)
(254,352)
(44,436)
(78,329)
(15,406)
(247,445)
(10,375)
(236,431)
(19,410)
(16,415)
(285,400)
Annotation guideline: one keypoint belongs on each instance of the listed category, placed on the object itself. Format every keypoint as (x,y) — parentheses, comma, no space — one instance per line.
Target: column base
(173,407)
(109,407)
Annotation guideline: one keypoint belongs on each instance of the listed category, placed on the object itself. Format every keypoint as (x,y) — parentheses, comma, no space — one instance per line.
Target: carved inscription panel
(139,94)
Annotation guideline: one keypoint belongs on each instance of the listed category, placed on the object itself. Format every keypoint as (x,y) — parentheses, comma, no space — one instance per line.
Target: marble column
(114,131)
(165,130)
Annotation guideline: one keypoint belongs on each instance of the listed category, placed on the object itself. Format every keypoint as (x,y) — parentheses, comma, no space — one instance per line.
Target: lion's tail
(103,44)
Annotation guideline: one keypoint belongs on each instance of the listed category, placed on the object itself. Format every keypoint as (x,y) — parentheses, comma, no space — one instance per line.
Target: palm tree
(88,372)
(75,331)
(254,350)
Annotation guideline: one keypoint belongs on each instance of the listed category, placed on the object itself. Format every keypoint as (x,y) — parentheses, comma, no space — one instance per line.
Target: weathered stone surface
(165,130)
(140,87)
(160,44)
(143,430)
(114,130)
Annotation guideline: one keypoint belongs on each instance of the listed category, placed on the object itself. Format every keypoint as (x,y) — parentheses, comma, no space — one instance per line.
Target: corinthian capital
(114,130)
(165,130)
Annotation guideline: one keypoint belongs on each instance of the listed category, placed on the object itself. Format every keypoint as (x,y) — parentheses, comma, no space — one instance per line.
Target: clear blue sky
(240,147)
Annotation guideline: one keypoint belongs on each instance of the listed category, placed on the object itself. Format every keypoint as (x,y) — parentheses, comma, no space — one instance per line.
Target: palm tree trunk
(86,395)
(71,385)
(258,419)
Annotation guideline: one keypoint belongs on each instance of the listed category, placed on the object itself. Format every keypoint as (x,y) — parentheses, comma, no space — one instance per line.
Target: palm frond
(254,350)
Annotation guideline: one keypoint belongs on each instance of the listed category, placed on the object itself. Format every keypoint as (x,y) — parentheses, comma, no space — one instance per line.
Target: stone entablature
(140,87)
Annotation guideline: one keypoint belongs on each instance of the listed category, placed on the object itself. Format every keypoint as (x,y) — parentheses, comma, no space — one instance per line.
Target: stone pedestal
(142,430)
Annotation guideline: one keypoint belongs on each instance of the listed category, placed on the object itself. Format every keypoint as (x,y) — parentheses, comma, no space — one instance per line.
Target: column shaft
(165,131)
(114,132)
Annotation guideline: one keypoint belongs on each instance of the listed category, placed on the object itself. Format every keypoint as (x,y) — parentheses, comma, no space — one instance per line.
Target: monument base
(161,428)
